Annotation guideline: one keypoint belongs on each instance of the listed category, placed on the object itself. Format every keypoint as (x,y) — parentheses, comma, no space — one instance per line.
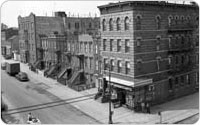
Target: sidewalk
(171,111)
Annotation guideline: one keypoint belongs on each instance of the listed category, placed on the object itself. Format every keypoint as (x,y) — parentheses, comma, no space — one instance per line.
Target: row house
(148,51)
(30,29)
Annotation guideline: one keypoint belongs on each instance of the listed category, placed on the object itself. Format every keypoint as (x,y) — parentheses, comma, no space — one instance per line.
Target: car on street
(3,65)
(22,76)
(8,57)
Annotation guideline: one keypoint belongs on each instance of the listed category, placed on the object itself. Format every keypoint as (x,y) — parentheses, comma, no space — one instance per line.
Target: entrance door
(123,98)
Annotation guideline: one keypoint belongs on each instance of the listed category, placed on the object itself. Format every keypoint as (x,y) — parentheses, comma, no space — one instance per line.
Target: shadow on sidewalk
(183,103)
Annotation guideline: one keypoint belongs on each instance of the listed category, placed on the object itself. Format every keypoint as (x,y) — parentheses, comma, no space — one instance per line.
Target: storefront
(129,93)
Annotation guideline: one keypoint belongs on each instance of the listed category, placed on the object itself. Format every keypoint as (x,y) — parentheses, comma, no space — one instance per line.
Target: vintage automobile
(8,56)
(22,76)
(3,65)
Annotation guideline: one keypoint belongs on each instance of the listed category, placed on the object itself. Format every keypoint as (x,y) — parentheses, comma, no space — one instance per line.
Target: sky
(10,10)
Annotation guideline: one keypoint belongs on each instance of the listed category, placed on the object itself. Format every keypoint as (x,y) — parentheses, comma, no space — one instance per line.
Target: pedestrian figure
(30,117)
(148,108)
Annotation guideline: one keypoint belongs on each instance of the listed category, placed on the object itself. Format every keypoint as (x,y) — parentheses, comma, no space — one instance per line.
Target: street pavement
(172,112)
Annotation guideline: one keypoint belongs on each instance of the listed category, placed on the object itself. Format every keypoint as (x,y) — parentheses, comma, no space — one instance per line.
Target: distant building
(149,48)
(52,43)
(30,28)
(5,43)
(3,26)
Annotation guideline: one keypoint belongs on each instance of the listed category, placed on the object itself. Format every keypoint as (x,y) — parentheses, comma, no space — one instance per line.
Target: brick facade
(161,44)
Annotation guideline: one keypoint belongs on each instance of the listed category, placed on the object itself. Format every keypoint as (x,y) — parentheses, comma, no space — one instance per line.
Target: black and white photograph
(99,62)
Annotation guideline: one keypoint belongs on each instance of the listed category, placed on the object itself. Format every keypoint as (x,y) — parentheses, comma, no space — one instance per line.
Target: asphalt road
(24,97)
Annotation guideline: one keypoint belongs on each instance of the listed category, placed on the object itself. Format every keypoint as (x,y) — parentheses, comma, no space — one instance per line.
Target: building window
(104,44)
(139,64)
(158,62)
(111,44)
(176,59)
(170,41)
(32,26)
(176,41)
(76,25)
(104,25)
(187,79)
(112,64)
(158,22)
(85,46)
(111,24)
(182,40)
(90,47)
(197,21)
(90,25)
(126,23)
(157,47)
(176,80)
(170,84)
(127,45)
(119,66)
(69,26)
(86,62)
(138,22)
(188,19)
(197,78)
(182,19)
(128,68)
(170,60)
(91,63)
(170,20)
(182,80)
(97,65)
(118,24)
(182,59)
(138,42)
(197,41)
(119,45)
(197,58)
(105,62)
(176,20)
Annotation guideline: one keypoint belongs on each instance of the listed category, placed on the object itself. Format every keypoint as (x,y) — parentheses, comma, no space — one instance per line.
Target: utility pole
(110,111)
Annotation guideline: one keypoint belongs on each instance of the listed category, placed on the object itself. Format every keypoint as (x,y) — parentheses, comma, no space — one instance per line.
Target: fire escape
(180,49)
(186,48)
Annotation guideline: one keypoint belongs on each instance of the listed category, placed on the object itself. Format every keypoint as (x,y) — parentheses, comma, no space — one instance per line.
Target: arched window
(158,21)
(90,25)
(69,25)
(104,25)
(188,19)
(197,21)
(111,24)
(118,24)
(138,22)
(170,20)
(176,19)
(126,23)
(182,19)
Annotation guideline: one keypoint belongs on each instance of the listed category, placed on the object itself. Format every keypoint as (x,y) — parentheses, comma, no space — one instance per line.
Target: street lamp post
(110,111)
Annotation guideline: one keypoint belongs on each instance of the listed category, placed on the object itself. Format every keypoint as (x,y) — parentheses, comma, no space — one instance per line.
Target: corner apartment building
(149,46)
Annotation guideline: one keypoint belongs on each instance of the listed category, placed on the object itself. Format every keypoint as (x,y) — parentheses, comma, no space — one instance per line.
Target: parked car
(3,65)
(22,76)
(8,57)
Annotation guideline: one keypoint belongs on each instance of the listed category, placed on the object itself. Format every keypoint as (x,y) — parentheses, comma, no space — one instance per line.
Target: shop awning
(129,84)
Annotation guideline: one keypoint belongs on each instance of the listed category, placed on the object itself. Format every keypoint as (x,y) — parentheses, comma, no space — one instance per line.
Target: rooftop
(156,3)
